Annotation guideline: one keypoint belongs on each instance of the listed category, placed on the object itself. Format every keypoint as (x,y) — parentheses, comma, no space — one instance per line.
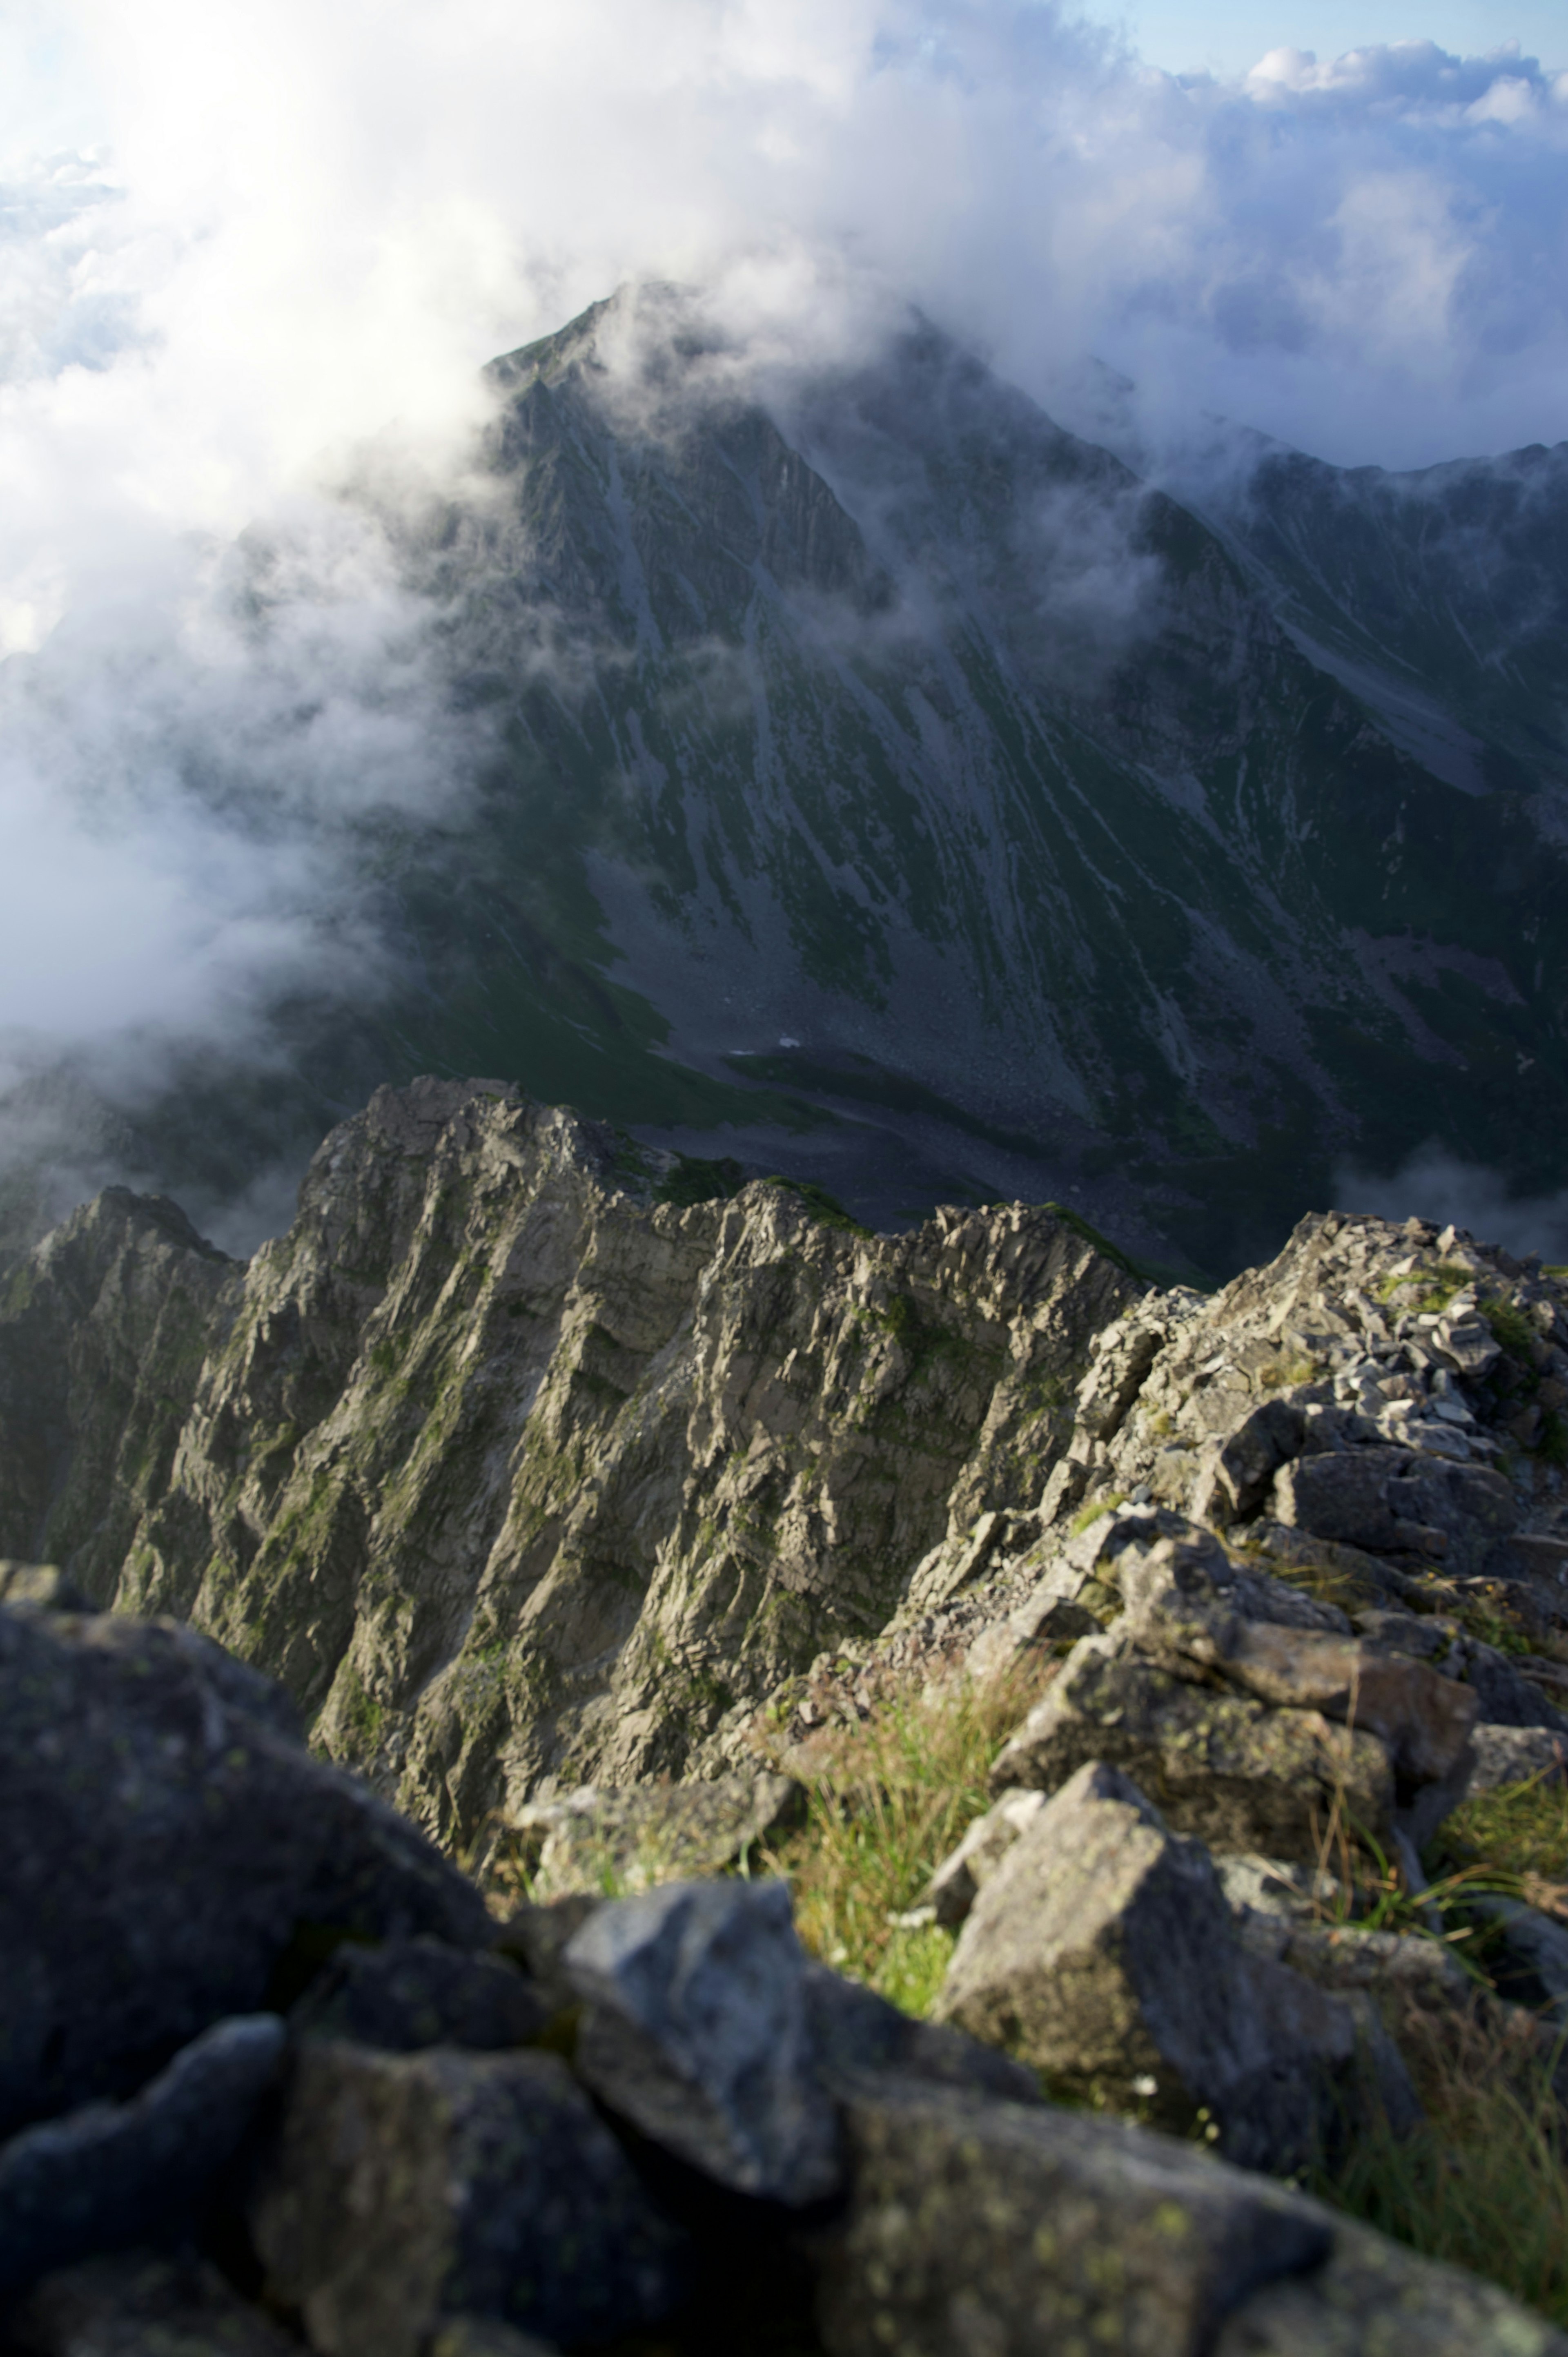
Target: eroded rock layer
(512,1473)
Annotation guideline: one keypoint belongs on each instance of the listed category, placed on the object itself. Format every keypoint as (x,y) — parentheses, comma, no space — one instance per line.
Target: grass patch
(896,1795)
(1095,1508)
(1521,1833)
(1430,1290)
(1483,2181)
(1511,1329)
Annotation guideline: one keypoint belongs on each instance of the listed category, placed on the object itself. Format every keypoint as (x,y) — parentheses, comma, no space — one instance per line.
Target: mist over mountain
(867,776)
(1162,814)
(1073,846)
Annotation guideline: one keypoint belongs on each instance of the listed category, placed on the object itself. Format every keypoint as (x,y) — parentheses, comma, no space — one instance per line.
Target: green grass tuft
(1482,2182)
(897,1792)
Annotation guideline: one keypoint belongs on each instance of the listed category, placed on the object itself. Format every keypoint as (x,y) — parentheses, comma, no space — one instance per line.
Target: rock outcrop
(404,2166)
(1104,1951)
(209,1850)
(513,1474)
(572,1514)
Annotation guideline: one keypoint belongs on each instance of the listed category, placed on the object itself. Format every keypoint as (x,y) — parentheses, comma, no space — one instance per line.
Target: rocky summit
(540,1489)
(513,1473)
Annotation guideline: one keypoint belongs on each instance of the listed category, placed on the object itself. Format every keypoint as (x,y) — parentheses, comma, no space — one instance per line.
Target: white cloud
(1437,1186)
(260,231)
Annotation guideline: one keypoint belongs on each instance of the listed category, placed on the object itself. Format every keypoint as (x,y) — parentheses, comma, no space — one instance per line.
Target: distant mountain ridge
(1032,810)
(893,788)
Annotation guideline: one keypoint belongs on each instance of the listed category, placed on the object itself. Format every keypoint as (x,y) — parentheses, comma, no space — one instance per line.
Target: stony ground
(500,1461)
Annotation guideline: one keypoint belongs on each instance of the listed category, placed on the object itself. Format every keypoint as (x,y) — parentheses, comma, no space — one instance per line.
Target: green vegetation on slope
(1482,2183)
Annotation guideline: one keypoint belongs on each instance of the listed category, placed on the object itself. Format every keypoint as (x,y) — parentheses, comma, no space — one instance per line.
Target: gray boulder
(166,1838)
(1388,1499)
(110,2175)
(1234,1477)
(698,2031)
(1227,1766)
(977,2229)
(143,2304)
(1532,1966)
(408,2190)
(415,1992)
(1512,1755)
(1374,2299)
(1103,1951)
(1180,1612)
(600,1840)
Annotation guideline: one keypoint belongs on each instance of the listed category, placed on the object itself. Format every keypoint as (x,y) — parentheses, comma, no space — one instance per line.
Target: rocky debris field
(274,2078)
(586,1523)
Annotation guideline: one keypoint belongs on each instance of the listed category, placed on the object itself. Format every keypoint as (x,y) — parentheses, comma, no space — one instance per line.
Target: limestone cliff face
(513,1473)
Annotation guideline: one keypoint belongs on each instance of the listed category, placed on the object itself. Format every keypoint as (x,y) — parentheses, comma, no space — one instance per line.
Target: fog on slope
(259,236)
(1439,1187)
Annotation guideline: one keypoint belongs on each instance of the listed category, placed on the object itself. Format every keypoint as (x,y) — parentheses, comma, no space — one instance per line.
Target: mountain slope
(893,723)
(887,786)
(1444,592)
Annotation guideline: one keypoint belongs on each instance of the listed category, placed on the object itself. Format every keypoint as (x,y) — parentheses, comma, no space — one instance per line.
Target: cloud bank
(239,242)
(1437,1186)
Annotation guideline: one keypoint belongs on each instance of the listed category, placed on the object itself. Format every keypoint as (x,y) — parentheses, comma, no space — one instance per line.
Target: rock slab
(697,2030)
(1103,1951)
(408,2189)
(996,2228)
(108,2175)
(202,1838)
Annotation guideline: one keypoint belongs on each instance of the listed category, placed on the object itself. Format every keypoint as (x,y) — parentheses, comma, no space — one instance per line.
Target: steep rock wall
(513,1473)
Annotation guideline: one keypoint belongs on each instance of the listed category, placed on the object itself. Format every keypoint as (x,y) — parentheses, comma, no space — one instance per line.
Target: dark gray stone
(697,2030)
(1342,1495)
(407,2190)
(1507,1698)
(978,2229)
(164,1840)
(113,2174)
(415,1993)
(1473,1505)
(853,2030)
(1394,1499)
(1533,1965)
(143,2304)
(1236,1477)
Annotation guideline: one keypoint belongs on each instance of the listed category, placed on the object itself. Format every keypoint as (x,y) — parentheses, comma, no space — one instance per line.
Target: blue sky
(1226,36)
